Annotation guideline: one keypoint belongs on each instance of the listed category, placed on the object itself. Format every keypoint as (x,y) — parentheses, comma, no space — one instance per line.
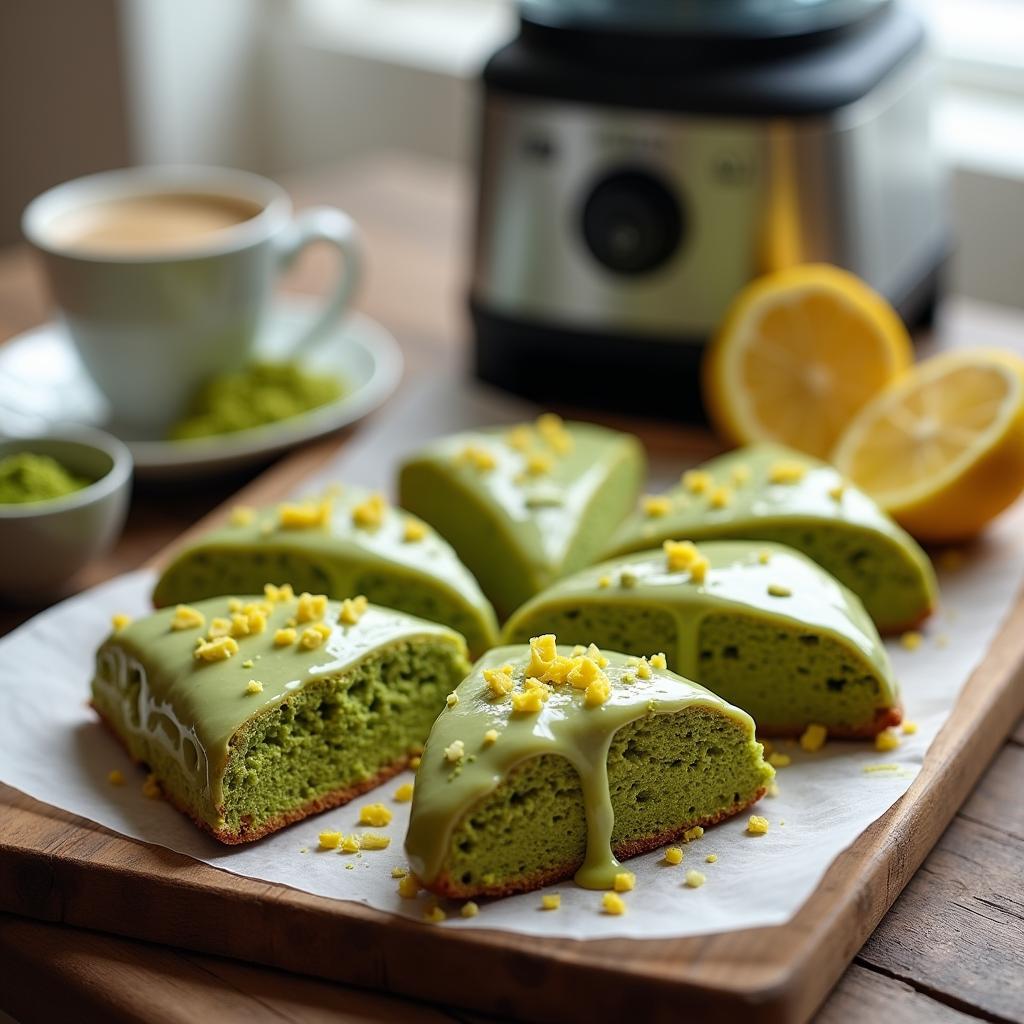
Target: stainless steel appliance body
(610,237)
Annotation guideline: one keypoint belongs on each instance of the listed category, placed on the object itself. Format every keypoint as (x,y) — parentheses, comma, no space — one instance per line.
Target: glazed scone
(348,542)
(528,504)
(254,712)
(556,763)
(768,492)
(760,624)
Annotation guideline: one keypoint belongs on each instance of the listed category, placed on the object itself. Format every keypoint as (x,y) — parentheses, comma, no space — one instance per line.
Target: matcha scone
(558,762)
(254,712)
(760,624)
(525,505)
(768,492)
(351,541)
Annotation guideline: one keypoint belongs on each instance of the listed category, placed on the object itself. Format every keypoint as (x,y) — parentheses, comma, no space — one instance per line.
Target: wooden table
(951,949)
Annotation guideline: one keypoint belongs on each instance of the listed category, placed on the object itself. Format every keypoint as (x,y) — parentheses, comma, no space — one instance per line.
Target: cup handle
(324,224)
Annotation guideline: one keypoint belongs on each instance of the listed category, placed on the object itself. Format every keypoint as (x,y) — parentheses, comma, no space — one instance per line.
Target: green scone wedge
(350,541)
(768,492)
(249,723)
(525,505)
(760,624)
(558,762)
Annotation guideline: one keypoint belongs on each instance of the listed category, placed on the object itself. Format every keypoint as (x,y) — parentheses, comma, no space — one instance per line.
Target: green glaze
(446,792)
(848,535)
(829,622)
(342,559)
(519,533)
(26,477)
(189,716)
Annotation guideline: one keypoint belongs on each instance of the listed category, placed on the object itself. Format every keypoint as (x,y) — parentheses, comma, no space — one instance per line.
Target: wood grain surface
(950,949)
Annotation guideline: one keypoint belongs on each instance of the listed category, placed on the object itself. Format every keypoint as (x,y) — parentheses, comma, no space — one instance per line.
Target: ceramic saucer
(43,385)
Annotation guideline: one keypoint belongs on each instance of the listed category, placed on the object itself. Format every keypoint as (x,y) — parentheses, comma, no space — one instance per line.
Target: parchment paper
(52,748)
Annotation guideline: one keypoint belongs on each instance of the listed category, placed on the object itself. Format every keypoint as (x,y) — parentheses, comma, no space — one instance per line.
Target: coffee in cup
(144,225)
(162,276)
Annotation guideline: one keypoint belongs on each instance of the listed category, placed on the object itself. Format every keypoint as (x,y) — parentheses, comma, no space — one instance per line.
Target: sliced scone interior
(772,493)
(525,782)
(252,718)
(335,737)
(666,774)
(760,624)
(349,542)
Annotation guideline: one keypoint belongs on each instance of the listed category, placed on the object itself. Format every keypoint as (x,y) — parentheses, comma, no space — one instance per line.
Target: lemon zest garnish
(478,458)
(697,481)
(278,595)
(369,514)
(219,649)
(612,903)
(813,738)
(408,886)
(787,471)
(887,740)
(242,515)
(911,640)
(285,637)
(656,505)
(413,530)
(305,515)
(353,609)
(330,840)
(187,617)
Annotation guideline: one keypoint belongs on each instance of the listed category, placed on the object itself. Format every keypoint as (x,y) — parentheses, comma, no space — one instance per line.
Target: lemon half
(798,354)
(942,449)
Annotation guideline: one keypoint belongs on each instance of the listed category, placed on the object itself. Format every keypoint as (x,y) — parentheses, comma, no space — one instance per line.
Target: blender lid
(703,19)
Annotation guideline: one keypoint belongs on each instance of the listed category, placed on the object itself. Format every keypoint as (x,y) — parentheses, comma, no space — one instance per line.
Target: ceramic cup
(151,327)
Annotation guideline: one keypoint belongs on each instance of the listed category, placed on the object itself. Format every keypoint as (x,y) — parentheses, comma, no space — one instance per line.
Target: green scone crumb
(592,771)
(319,726)
(253,396)
(27,477)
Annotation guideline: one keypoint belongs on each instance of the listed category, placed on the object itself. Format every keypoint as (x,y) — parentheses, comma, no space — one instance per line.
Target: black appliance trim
(810,76)
(653,377)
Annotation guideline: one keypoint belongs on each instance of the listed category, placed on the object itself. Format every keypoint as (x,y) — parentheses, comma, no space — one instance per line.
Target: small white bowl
(44,543)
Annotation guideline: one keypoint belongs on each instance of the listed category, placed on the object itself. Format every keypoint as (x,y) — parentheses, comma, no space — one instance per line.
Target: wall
(279,84)
(195,72)
(61,107)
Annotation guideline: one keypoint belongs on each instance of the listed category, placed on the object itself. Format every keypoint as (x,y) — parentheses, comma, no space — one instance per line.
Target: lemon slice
(799,352)
(942,449)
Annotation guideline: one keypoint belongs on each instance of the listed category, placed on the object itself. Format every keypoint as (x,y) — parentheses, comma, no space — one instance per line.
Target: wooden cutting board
(57,867)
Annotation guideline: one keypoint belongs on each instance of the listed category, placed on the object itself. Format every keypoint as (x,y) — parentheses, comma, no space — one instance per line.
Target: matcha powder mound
(253,396)
(28,477)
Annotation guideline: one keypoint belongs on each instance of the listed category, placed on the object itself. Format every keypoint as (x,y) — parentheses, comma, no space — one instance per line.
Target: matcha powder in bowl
(26,477)
(254,396)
